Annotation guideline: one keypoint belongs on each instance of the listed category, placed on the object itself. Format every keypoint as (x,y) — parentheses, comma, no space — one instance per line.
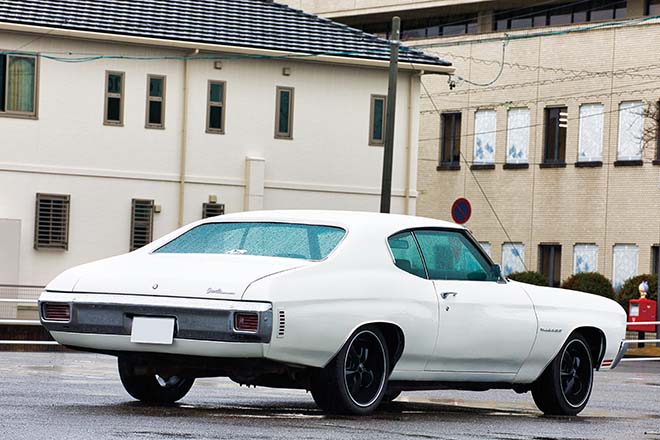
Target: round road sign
(461,211)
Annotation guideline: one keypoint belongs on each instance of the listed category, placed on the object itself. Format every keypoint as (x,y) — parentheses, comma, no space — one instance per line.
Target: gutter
(192,46)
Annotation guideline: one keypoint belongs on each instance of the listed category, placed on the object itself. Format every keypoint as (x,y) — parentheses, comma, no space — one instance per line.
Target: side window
(406,255)
(450,255)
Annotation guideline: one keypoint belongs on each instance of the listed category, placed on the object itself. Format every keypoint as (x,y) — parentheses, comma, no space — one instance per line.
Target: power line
(481,189)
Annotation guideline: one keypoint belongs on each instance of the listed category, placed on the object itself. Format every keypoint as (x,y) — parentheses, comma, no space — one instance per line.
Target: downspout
(411,121)
(184,138)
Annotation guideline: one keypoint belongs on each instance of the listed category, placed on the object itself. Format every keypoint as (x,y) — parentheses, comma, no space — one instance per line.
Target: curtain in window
(486,247)
(20,84)
(631,126)
(585,258)
(517,137)
(590,146)
(513,256)
(624,264)
(485,123)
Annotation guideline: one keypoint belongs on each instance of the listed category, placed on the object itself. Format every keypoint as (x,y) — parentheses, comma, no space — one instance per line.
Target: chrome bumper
(622,350)
(195,319)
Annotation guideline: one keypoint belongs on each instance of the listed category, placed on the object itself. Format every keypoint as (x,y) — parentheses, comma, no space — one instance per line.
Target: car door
(486,324)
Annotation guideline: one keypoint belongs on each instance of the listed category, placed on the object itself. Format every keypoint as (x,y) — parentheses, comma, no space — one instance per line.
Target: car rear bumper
(202,327)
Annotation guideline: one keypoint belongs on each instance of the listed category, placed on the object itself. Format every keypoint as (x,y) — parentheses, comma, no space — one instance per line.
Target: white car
(355,307)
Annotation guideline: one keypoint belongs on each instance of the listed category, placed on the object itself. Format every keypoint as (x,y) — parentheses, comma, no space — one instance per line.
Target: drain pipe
(184,138)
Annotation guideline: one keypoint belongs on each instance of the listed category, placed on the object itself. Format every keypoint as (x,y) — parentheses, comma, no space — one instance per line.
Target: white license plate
(152,330)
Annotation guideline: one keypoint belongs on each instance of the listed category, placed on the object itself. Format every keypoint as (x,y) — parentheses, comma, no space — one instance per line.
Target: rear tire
(355,381)
(565,386)
(152,388)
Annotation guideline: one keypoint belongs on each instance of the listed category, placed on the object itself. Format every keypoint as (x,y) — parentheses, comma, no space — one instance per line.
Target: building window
(585,258)
(155,101)
(631,127)
(578,12)
(215,113)
(513,258)
(114,98)
(554,151)
(550,263)
(284,113)
(377,120)
(487,247)
(517,136)
(485,129)
(590,144)
(624,263)
(450,149)
(142,223)
(653,7)
(654,259)
(212,209)
(18,85)
(51,223)
(428,27)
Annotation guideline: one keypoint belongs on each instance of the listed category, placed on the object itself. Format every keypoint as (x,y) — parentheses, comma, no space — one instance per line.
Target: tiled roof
(259,24)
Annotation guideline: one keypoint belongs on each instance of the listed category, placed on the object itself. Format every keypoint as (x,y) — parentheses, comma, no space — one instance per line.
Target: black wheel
(565,386)
(152,388)
(355,381)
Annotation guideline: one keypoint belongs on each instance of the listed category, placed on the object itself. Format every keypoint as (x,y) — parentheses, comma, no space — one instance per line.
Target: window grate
(51,228)
(212,209)
(142,223)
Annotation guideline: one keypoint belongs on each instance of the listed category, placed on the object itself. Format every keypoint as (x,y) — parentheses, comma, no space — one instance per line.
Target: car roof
(386,223)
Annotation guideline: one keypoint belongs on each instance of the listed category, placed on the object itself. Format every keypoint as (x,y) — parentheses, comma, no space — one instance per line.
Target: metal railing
(12,298)
(628,342)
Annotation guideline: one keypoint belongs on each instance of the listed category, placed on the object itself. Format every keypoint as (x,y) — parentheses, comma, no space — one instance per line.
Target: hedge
(590,282)
(529,277)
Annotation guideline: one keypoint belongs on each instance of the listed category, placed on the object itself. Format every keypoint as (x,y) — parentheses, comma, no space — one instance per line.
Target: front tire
(565,386)
(355,381)
(152,388)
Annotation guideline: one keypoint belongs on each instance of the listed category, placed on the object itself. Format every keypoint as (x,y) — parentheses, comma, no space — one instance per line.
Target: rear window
(287,240)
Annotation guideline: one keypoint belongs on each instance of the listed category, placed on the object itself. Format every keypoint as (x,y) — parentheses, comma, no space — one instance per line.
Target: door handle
(444,295)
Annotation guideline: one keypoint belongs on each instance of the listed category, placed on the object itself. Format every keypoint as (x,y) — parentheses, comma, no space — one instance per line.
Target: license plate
(152,330)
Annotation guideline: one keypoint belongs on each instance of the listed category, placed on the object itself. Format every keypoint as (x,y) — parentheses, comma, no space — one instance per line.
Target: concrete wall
(68,150)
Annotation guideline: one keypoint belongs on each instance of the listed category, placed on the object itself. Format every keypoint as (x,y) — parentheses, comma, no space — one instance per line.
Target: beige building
(556,149)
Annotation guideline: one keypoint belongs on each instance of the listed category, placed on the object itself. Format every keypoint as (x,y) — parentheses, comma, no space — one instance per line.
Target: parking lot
(78,396)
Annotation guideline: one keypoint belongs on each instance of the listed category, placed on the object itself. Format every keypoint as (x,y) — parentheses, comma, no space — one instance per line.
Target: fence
(18,306)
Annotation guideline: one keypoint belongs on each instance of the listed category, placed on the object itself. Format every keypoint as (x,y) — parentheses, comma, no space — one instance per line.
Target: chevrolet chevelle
(354,307)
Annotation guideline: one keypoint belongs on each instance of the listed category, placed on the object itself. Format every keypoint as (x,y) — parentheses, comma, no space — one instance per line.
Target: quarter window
(114,98)
(155,101)
(142,223)
(555,136)
(377,120)
(215,119)
(18,85)
(406,254)
(450,255)
(284,113)
(450,149)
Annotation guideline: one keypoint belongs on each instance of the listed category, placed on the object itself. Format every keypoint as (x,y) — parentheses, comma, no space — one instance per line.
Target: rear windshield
(288,240)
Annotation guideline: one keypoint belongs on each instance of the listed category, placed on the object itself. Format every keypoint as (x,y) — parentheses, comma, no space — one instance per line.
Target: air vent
(281,324)
(212,209)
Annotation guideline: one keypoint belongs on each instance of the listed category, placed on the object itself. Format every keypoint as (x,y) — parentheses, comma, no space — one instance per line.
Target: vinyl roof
(256,24)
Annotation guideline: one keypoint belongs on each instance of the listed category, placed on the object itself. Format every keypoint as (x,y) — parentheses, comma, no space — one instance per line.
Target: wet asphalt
(78,396)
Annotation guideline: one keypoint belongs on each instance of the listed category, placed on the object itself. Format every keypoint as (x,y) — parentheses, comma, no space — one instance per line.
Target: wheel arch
(597,343)
(393,334)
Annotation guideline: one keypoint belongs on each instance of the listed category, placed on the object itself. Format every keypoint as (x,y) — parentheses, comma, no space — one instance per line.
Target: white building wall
(68,150)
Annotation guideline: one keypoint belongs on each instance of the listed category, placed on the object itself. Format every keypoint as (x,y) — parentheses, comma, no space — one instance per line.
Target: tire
(565,386)
(355,381)
(152,388)
(391,395)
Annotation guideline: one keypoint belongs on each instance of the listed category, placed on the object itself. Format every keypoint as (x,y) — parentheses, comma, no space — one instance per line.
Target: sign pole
(388,153)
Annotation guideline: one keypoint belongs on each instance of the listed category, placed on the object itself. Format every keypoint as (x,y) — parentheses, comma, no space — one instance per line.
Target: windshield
(288,240)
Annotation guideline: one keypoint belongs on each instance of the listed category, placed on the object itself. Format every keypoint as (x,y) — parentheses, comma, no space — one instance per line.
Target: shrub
(529,277)
(630,289)
(590,282)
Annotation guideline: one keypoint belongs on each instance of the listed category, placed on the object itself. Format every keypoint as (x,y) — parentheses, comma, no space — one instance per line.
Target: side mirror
(496,273)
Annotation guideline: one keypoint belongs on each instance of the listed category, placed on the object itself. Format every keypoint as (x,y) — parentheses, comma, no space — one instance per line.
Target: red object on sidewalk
(641,310)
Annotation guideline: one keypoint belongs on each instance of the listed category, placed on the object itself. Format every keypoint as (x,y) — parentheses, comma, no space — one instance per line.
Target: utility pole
(388,153)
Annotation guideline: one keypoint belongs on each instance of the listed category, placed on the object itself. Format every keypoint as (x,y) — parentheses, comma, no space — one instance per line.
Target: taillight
(56,312)
(246,322)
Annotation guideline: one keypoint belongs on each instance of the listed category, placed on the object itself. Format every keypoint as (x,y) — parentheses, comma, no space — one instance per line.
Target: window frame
(222,104)
(558,134)
(64,244)
(119,95)
(35,102)
(134,203)
(160,99)
(278,134)
(372,120)
(443,160)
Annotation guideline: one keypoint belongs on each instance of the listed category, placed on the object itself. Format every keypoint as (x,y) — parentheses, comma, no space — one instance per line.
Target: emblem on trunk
(155,286)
